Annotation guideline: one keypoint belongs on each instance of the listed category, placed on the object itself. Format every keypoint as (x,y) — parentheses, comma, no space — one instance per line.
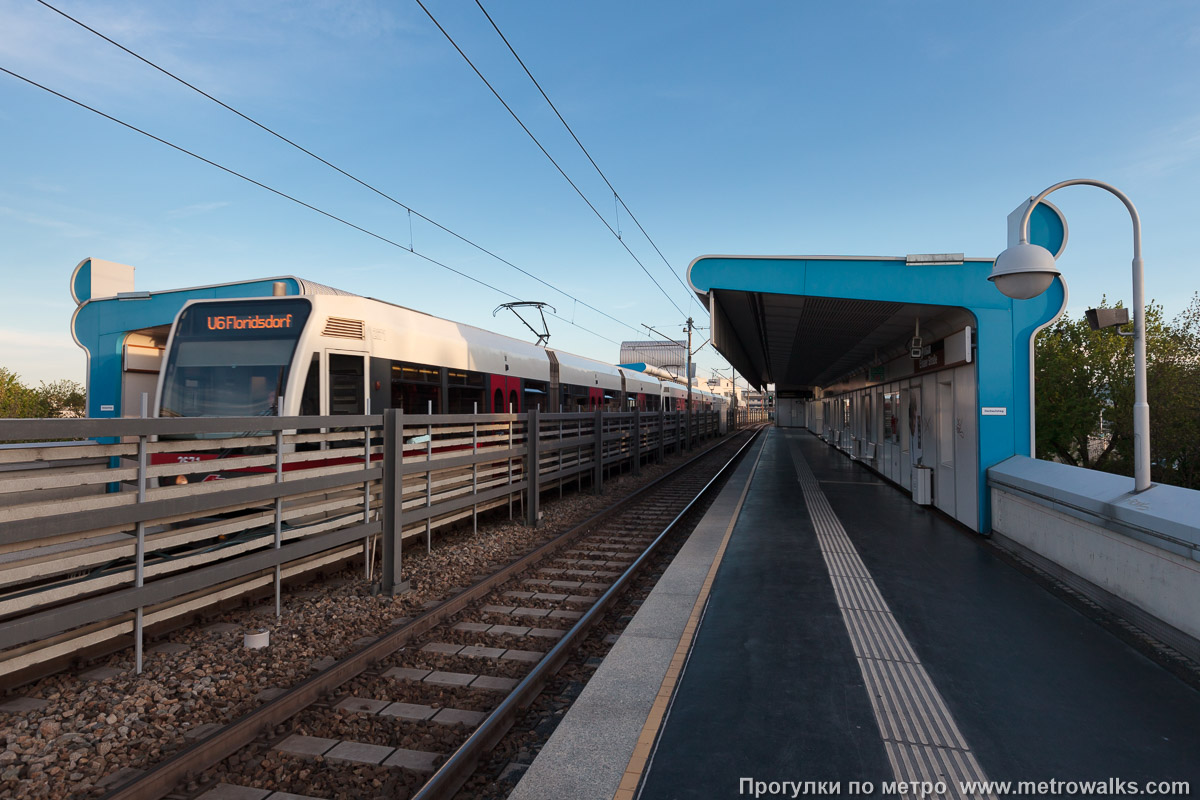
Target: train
(336,353)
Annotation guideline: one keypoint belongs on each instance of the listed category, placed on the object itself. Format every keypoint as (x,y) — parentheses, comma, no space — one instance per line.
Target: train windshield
(231,359)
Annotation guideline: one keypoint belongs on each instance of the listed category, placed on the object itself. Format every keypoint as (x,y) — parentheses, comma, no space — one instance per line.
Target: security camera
(1100,318)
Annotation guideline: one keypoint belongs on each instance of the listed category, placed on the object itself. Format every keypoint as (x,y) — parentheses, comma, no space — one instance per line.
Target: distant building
(656,353)
(661,353)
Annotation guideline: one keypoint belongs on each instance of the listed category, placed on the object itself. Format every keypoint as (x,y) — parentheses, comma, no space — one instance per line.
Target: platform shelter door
(943,490)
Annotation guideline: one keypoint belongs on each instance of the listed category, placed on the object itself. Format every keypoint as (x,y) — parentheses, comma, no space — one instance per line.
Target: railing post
(393,496)
(429,483)
(662,435)
(598,465)
(509,476)
(140,546)
(277,542)
(532,468)
(637,442)
(367,559)
(475,472)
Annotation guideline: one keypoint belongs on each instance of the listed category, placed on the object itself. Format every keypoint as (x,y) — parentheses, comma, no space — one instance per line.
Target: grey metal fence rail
(143,539)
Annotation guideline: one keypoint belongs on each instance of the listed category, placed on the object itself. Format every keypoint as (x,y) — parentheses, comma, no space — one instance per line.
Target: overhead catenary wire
(279,193)
(411,211)
(546,153)
(616,196)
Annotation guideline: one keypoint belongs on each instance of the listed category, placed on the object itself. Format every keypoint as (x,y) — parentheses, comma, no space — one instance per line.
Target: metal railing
(134,547)
(743,417)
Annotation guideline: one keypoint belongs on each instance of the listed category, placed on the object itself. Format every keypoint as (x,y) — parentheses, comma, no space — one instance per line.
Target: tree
(1085,376)
(63,398)
(16,399)
(1174,388)
(1078,374)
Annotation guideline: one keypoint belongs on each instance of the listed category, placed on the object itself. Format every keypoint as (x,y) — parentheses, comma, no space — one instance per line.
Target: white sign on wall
(995,411)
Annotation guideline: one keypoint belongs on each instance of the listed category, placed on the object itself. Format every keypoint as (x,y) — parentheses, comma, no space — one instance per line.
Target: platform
(819,629)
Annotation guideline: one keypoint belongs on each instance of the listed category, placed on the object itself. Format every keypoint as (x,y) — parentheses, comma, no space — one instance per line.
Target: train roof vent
(343,328)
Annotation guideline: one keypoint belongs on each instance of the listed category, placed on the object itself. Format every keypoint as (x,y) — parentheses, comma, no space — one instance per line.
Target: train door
(595,398)
(505,394)
(514,395)
(966,456)
(141,360)
(347,383)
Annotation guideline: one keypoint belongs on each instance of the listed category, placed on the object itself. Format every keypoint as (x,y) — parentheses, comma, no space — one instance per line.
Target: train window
(498,402)
(514,402)
(217,369)
(416,388)
(575,398)
(465,391)
(536,395)
(346,389)
(457,377)
(416,398)
(310,396)
(415,373)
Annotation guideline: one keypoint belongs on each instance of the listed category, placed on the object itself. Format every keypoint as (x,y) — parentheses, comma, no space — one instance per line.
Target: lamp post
(1026,270)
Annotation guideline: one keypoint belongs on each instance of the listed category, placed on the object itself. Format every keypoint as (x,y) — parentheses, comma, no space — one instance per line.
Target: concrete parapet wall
(1142,551)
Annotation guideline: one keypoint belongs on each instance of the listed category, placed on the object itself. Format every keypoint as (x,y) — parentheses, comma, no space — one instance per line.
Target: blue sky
(866,128)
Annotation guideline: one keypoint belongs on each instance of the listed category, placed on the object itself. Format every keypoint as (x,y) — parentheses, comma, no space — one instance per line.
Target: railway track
(412,713)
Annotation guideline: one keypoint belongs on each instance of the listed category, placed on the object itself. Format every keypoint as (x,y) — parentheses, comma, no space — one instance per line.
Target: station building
(917,366)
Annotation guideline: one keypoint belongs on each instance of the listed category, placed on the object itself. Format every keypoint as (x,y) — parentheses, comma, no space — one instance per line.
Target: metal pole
(140,547)
(367,496)
(598,455)
(393,498)
(510,463)
(688,376)
(429,483)
(532,468)
(1141,405)
(475,473)
(637,441)
(278,541)
(662,434)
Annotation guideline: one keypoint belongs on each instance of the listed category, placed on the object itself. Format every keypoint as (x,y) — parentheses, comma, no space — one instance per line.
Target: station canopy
(799,342)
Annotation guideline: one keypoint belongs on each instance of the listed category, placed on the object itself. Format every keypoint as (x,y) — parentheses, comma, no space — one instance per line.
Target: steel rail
(455,771)
(161,779)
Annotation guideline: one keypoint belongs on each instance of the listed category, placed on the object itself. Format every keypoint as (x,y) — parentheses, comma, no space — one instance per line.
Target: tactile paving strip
(923,742)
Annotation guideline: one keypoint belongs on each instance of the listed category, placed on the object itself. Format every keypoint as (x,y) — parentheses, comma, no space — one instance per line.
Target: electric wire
(279,193)
(336,168)
(546,153)
(599,171)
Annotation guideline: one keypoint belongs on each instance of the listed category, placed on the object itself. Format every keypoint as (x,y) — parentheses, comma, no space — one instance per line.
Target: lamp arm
(1133,213)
